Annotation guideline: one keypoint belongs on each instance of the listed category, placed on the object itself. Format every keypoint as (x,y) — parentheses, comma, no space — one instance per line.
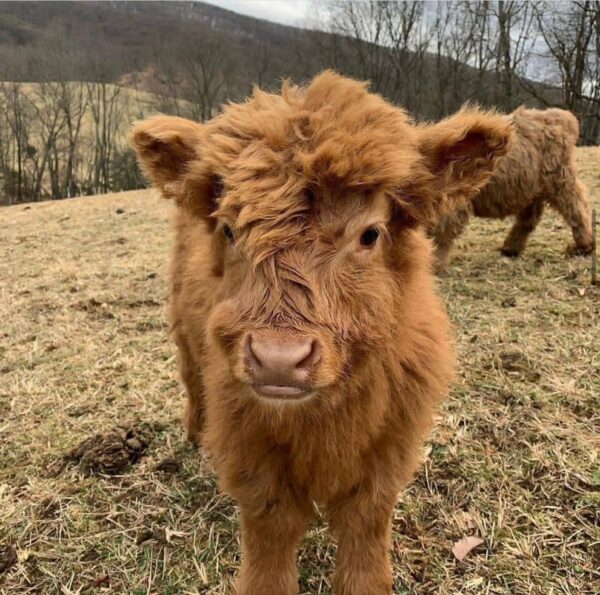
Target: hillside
(99,490)
(123,36)
(130,40)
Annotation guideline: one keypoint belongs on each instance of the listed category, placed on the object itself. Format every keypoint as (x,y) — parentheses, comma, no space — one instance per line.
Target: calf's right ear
(461,153)
(165,146)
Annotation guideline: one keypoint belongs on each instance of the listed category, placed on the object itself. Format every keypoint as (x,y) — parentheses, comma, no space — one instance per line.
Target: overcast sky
(288,12)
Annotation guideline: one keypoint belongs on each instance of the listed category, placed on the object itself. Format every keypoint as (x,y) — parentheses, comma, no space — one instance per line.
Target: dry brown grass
(83,350)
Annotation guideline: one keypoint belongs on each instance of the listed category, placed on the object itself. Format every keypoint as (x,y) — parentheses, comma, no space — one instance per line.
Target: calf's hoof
(194,438)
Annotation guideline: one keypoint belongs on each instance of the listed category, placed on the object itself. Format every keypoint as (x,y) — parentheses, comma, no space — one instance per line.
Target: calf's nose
(278,361)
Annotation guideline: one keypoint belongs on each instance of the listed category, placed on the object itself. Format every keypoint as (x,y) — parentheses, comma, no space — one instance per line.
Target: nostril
(312,358)
(253,358)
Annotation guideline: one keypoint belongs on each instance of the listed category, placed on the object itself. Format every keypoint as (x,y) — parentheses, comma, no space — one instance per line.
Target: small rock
(509,302)
(120,211)
(134,444)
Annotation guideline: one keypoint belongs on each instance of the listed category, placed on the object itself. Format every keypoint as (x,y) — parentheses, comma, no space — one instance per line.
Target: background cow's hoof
(575,250)
(510,252)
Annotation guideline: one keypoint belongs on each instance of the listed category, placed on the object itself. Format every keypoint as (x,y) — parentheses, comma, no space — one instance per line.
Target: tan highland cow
(538,170)
(312,343)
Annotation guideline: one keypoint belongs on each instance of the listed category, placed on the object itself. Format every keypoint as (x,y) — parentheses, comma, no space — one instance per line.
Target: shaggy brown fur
(300,220)
(538,170)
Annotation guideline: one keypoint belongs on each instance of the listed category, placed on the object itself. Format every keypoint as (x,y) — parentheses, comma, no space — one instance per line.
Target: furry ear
(461,152)
(165,145)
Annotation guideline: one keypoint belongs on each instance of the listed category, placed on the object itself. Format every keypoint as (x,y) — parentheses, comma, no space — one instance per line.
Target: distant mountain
(140,43)
(125,33)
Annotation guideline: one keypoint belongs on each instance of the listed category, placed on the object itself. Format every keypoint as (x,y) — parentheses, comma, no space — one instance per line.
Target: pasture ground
(84,352)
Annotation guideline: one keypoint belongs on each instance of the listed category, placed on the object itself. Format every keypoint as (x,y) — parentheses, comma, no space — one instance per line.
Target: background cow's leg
(443,248)
(362,523)
(449,227)
(269,543)
(526,221)
(573,205)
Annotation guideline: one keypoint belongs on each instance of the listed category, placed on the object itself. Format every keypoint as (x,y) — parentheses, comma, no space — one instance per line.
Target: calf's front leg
(362,523)
(269,542)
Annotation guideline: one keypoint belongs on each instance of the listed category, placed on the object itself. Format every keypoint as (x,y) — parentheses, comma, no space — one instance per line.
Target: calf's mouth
(282,392)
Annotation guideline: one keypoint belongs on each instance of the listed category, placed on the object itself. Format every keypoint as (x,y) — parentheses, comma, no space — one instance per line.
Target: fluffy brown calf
(312,343)
(538,170)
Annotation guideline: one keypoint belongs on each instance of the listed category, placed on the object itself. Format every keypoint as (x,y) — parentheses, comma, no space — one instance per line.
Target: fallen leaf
(462,548)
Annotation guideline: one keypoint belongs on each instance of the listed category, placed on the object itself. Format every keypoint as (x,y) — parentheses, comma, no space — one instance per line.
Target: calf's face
(303,300)
(313,201)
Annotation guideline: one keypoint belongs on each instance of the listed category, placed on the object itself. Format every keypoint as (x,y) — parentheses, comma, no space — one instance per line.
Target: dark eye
(228,233)
(369,237)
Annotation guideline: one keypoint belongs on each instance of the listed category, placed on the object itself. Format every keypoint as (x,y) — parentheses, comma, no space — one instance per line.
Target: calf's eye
(228,233)
(369,237)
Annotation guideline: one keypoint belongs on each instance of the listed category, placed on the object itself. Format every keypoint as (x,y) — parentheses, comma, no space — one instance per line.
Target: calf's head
(313,201)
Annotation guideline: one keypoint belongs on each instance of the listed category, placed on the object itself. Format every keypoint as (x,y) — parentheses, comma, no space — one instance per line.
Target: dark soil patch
(168,466)
(516,363)
(8,557)
(95,308)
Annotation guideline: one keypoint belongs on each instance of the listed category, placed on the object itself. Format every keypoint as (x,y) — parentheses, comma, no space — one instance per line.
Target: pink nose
(281,365)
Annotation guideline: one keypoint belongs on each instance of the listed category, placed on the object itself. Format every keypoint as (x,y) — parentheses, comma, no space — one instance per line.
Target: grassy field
(84,358)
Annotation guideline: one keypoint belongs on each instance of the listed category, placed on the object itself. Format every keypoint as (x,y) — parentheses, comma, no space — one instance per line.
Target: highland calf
(312,343)
(538,170)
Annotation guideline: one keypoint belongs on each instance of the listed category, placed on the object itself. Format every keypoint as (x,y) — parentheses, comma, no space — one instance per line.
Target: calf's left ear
(460,154)
(165,146)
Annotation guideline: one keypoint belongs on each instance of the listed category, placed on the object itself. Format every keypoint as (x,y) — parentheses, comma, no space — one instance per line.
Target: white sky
(288,12)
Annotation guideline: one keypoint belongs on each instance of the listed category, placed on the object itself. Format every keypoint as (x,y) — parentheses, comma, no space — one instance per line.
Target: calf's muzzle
(281,365)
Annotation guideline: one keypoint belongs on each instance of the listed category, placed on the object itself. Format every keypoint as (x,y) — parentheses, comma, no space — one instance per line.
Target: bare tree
(105,105)
(74,104)
(571,34)
(18,148)
(205,69)
(46,106)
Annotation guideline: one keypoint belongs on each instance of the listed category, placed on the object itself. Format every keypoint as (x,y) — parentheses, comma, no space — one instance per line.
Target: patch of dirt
(142,303)
(168,466)
(95,308)
(8,557)
(113,452)
(156,535)
(518,364)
